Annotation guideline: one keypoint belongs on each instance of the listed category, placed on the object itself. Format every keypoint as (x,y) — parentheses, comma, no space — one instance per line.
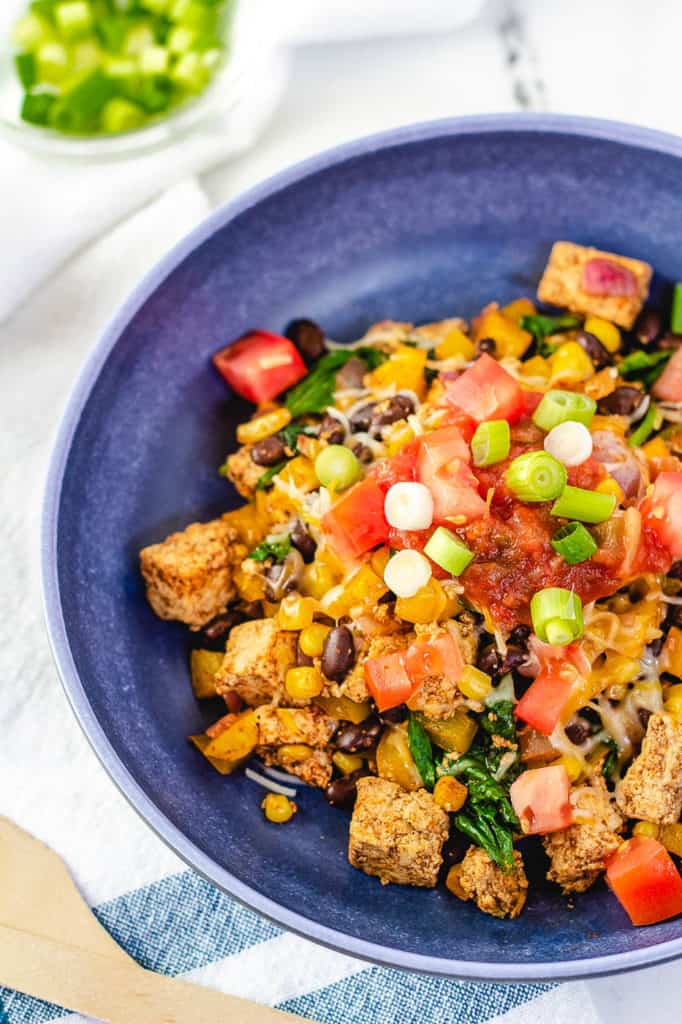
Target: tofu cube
(578,854)
(562,284)
(256,661)
(189,575)
(652,787)
(397,835)
(494,891)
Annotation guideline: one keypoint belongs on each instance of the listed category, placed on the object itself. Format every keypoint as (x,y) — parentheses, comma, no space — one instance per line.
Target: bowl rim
(172,835)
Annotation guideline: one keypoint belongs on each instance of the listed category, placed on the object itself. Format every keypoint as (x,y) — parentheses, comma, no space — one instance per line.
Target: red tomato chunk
(486,392)
(662,511)
(356,523)
(644,878)
(387,680)
(260,365)
(540,798)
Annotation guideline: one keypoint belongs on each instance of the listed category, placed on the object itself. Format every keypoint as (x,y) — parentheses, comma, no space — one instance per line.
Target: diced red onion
(604,277)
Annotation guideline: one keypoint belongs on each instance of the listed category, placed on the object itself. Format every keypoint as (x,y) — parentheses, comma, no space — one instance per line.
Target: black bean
(269,451)
(519,636)
(362,417)
(673,617)
(338,653)
(394,716)
(675,571)
(647,326)
(669,341)
(391,410)
(597,352)
(303,541)
(621,402)
(250,609)
(331,430)
(351,374)
(217,629)
(489,660)
(454,848)
(486,345)
(308,337)
(362,452)
(358,738)
(343,792)
(514,657)
(644,715)
(578,731)
(656,646)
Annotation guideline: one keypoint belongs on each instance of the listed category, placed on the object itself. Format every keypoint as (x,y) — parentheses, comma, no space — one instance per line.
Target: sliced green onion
(676,311)
(491,442)
(652,421)
(574,543)
(36,107)
(587,506)
(74,18)
(337,467)
(536,476)
(120,115)
(558,406)
(557,615)
(25,64)
(636,363)
(448,551)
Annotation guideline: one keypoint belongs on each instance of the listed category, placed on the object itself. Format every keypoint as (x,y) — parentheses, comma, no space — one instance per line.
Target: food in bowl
(91,67)
(451,599)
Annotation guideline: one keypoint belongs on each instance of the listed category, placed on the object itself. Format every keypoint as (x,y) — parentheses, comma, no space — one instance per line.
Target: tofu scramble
(452,596)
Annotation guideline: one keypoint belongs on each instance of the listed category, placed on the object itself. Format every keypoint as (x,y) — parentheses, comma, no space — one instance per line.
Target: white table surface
(607,59)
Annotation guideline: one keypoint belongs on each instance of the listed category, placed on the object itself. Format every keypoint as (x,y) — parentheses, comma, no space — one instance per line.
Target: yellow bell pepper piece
(427,605)
(456,343)
(573,766)
(249,522)
(250,587)
(347,763)
(474,684)
(263,426)
(203,666)
(363,589)
(518,308)
(300,473)
(656,449)
(379,560)
(237,742)
(570,364)
(404,368)
(605,331)
(510,339)
(296,612)
(609,485)
(345,709)
(536,367)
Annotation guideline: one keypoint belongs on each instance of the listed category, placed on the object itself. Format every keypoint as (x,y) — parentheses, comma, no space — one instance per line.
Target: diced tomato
(662,511)
(356,523)
(387,680)
(260,365)
(531,400)
(486,392)
(454,417)
(668,387)
(546,697)
(439,657)
(443,466)
(644,878)
(399,468)
(540,797)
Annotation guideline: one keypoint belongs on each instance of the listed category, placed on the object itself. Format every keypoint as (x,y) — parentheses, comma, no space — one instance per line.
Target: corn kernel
(296,612)
(609,485)
(278,808)
(456,343)
(263,426)
(303,682)
(312,638)
(450,794)
(605,331)
(427,605)
(474,684)
(573,766)
(379,560)
(673,704)
(452,883)
(645,828)
(570,364)
(347,763)
(317,579)
(295,751)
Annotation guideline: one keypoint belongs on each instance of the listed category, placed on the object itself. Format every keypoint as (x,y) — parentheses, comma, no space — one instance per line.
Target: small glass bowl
(248,42)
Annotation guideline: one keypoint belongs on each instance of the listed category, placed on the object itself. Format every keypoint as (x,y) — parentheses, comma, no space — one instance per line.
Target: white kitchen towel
(50,208)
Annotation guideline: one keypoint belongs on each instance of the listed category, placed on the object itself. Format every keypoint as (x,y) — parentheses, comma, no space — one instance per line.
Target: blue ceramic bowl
(417,224)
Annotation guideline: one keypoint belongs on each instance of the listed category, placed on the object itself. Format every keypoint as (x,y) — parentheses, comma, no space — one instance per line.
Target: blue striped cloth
(182,924)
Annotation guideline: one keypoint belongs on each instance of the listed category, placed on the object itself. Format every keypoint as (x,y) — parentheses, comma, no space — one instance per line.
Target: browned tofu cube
(189,575)
(287,726)
(243,471)
(652,787)
(314,767)
(572,277)
(438,696)
(578,854)
(397,835)
(494,891)
(256,661)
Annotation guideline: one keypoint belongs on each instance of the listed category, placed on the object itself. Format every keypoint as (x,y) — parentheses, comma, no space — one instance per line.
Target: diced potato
(236,743)
(203,667)
(201,742)
(394,760)
(455,734)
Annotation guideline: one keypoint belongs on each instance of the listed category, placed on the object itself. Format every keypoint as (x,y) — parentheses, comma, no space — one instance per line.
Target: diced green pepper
(36,107)
(26,69)
(73,18)
(120,115)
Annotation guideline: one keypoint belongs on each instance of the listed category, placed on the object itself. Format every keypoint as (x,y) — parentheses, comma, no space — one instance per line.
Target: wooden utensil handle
(117,991)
